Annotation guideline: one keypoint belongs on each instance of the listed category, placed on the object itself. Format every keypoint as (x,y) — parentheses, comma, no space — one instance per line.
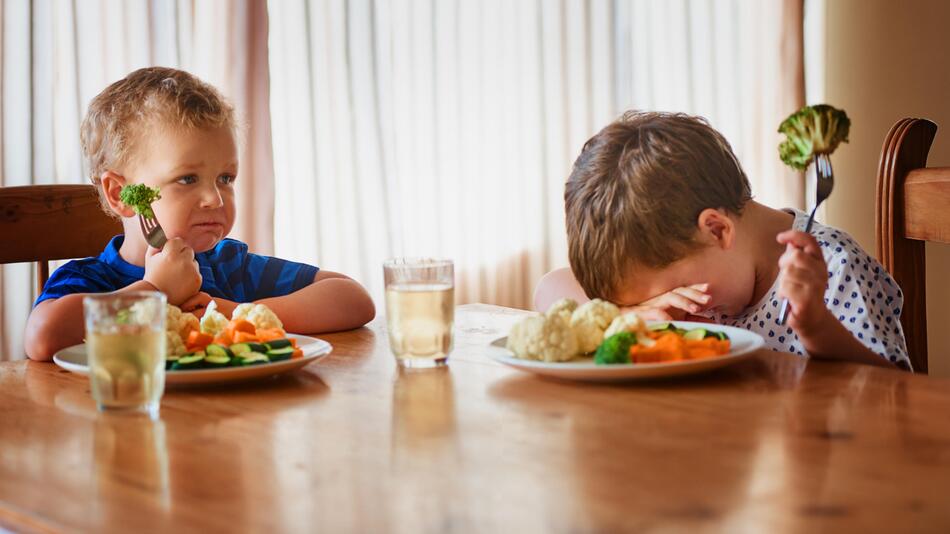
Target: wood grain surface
(349,444)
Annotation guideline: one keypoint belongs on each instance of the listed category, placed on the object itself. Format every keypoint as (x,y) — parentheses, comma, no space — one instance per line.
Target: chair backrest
(52,222)
(912,202)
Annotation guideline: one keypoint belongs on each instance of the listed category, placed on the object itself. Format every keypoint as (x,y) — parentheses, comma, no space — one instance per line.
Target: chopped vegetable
(245,337)
(590,320)
(615,349)
(542,337)
(139,197)
(812,130)
(198,340)
(213,322)
(669,347)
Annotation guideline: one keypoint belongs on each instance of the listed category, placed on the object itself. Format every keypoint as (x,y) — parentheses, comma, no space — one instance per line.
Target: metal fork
(825,182)
(154,235)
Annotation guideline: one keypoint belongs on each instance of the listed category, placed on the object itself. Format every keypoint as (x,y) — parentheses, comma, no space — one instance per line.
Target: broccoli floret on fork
(810,131)
(139,197)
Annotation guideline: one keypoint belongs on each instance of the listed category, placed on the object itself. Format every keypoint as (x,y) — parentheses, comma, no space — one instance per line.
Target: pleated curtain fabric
(447,128)
(380,128)
(58,54)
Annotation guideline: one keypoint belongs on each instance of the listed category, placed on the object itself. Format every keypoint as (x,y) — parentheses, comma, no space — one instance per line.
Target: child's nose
(212,198)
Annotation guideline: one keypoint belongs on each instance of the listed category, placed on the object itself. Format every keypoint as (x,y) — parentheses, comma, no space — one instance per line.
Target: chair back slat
(902,204)
(52,222)
(926,199)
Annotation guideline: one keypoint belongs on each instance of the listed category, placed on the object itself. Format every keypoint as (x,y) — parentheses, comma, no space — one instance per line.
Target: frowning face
(195,169)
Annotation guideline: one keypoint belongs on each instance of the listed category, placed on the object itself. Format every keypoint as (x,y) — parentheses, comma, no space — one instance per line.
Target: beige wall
(886,60)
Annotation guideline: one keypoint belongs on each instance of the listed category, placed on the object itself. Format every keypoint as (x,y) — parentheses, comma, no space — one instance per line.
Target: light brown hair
(120,117)
(636,192)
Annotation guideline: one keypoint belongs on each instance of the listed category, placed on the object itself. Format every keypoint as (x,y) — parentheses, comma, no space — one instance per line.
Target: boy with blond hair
(661,221)
(165,128)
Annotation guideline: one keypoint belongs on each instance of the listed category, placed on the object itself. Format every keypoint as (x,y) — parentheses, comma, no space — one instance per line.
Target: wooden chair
(52,222)
(912,208)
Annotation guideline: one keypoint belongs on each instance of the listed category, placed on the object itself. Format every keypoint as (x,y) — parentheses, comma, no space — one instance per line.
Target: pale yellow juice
(127,367)
(419,317)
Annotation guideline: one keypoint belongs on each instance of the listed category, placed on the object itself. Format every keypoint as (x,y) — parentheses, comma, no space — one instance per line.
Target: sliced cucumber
(253,358)
(720,335)
(277,355)
(695,334)
(192,361)
(217,360)
(278,344)
(170,360)
(218,350)
(658,327)
(240,348)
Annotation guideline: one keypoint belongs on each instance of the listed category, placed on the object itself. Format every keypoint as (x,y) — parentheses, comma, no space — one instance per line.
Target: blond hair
(636,192)
(119,117)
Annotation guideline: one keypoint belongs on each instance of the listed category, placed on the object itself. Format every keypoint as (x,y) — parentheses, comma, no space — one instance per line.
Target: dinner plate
(74,359)
(743,344)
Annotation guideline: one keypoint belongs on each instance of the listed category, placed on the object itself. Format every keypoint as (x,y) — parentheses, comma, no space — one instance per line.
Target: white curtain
(58,54)
(447,128)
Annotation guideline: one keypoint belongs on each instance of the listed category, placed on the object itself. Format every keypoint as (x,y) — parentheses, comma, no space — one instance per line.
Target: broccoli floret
(812,130)
(615,349)
(139,197)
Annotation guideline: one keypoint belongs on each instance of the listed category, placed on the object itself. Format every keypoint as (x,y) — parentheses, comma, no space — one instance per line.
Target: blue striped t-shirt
(228,271)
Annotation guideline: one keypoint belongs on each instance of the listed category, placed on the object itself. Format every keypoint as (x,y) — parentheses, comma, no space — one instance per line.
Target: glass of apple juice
(125,348)
(420,310)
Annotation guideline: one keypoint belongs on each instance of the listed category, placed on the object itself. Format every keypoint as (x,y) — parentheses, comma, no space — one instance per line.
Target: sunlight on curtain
(448,128)
(58,54)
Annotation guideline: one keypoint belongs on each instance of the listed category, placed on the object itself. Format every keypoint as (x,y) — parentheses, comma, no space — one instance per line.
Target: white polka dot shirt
(860,294)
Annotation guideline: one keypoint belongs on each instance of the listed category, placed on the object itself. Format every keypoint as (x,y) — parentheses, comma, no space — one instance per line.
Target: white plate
(743,344)
(74,359)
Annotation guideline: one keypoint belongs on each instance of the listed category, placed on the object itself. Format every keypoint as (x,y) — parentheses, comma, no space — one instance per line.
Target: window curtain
(58,54)
(419,128)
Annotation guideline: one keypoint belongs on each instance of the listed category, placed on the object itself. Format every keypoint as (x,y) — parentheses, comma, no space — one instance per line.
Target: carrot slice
(298,353)
(669,347)
(198,340)
(223,338)
(270,334)
(245,337)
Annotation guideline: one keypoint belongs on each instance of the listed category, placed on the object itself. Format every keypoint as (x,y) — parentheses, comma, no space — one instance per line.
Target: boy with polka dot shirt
(660,220)
(861,295)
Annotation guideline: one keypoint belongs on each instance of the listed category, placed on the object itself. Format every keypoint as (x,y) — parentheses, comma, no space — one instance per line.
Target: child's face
(731,279)
(195,171)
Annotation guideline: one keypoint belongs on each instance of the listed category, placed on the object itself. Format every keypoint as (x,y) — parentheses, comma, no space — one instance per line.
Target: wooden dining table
(349,443)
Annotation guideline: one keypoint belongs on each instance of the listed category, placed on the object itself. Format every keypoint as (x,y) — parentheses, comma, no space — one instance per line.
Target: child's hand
(673,305)
(173,271)
(196,304)
(804,278)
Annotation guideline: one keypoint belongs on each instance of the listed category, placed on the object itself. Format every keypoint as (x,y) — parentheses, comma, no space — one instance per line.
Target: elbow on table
(364,310)
(38,343)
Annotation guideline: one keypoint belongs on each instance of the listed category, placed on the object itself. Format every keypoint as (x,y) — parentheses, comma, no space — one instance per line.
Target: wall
(885,60)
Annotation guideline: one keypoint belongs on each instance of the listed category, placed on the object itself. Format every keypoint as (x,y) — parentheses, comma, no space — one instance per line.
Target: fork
(824,184)
(154,235)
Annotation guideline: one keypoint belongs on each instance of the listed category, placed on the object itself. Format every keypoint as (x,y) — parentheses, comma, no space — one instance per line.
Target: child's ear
(111,185)
(717,227)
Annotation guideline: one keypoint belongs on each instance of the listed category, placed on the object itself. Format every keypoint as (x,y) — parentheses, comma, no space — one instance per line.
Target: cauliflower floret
(628,322)
(563,307)
(174,344)
(543,337)
(179,322)
(258,314)
(590,320)
(213,321)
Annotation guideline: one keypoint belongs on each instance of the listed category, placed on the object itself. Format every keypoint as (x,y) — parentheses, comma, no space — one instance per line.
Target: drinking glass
(125,347)
(420,309)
